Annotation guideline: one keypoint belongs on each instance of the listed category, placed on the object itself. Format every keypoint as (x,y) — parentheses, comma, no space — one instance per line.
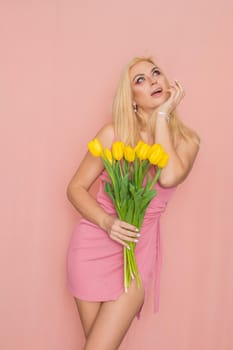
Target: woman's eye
(156,70)
(137,81)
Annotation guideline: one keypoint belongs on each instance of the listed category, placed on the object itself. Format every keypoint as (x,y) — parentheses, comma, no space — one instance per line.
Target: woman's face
(145,78)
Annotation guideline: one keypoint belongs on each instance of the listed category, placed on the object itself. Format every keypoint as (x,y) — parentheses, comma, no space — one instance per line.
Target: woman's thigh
(88,311)
(114,319)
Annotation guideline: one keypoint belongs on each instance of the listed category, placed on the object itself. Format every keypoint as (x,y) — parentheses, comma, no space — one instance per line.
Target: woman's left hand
(177,93)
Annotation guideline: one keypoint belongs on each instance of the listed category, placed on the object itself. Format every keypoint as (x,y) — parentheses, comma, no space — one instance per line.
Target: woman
(143,109)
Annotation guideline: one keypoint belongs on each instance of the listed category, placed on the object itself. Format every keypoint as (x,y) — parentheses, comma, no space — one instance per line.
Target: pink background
(60,62)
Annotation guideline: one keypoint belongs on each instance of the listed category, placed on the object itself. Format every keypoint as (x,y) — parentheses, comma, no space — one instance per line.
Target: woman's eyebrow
(143,74)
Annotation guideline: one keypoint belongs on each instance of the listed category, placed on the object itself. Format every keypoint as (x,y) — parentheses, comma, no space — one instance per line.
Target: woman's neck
(146,137)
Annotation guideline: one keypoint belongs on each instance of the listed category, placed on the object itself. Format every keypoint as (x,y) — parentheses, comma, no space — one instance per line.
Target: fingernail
(136,240)
(128,247)
(138,235)
(137,230)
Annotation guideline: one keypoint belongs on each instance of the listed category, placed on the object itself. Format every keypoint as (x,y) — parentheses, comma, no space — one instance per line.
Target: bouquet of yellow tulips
(127,168)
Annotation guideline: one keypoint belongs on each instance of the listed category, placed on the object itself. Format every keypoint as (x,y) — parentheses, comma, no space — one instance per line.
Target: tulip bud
(142,151)
(155,156)
(108,155)
(163,161)
(118,150)
(139,144)
(129,154)
(95,147)
(154,148)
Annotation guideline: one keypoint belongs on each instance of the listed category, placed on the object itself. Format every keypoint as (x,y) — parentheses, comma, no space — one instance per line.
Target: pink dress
(95,262)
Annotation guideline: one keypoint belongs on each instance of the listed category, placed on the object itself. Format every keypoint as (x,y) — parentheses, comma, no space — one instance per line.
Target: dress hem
(113,298)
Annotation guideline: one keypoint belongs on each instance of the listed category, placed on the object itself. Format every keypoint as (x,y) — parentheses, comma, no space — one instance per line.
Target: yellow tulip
(163,161)
(118,150)
(154,148)
(108,155)
(142,151)
(139,144)
(129,154)
(156,155)
(95,147)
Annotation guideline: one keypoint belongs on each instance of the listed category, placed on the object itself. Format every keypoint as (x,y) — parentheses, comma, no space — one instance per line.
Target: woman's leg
(88,311)
(114,319)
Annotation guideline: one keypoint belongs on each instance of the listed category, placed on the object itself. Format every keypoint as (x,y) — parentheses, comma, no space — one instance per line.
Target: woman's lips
(157,94)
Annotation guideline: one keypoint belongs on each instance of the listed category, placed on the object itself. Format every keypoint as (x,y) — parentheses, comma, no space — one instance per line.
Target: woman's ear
(134,105)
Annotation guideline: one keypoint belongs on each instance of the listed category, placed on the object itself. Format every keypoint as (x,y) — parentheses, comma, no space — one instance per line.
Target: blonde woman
(144,108)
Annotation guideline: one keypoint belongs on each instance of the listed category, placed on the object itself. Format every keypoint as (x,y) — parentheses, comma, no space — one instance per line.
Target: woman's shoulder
(106,134)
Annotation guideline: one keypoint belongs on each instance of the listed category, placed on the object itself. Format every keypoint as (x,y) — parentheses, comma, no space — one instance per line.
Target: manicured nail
(128,247)
(136,240)
(137,230)
(138,235)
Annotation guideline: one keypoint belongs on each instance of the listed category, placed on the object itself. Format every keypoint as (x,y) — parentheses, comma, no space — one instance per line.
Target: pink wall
(60,61)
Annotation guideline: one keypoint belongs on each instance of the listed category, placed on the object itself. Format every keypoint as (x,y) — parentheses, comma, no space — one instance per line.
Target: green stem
(155,178)
(146,168)
(130,269)
(135,171)
(120,164)
(127,276)
(133,264)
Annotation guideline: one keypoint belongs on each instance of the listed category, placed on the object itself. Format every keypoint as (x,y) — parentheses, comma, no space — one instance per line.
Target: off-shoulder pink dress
(95,262)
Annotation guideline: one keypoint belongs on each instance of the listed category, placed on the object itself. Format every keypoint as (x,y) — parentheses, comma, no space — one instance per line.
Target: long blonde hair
(127,123)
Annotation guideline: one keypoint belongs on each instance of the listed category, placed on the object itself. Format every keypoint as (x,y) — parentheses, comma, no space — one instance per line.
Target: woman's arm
(180,160)
(182,157)
(78,187)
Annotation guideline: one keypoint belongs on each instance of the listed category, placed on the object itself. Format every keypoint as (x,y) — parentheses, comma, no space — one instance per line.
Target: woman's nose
(153,80)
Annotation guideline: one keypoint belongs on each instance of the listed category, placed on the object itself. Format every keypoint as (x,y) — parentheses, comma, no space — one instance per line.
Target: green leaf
(132,189)
(124,188)
(109,190)
(147,199)
(130,211)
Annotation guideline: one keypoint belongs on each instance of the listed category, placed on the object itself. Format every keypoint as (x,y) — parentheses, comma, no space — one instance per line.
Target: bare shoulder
(90,166)
(106,135)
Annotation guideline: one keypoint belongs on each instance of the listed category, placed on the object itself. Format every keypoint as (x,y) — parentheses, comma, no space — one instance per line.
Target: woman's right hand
(120,231)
